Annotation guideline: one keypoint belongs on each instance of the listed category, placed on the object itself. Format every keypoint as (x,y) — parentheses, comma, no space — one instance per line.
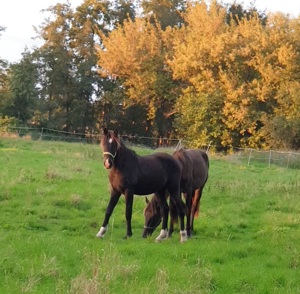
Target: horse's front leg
(114,198)
(128,212)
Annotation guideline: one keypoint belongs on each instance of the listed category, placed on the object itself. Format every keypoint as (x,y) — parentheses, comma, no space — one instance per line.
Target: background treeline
(229,75)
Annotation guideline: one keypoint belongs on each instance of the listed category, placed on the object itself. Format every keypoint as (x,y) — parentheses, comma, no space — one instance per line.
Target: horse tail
(196,203)
(174,211)
(205,157)
(195,210)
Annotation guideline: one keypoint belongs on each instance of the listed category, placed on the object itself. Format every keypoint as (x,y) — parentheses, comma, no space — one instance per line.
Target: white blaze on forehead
(110,140)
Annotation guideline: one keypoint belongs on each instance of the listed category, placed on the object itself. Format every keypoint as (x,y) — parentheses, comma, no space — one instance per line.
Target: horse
(195,165)
(141,175)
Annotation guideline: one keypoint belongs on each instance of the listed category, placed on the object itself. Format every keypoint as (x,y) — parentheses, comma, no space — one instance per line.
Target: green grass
(52,202)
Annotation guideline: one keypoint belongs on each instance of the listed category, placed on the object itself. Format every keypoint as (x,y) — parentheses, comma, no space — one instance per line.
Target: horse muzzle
(147,232)
(107,164)
(108,159)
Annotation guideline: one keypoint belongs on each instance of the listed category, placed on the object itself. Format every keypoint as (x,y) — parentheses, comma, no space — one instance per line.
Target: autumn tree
(135,54)
(237,74)
(282,127)
(200,51)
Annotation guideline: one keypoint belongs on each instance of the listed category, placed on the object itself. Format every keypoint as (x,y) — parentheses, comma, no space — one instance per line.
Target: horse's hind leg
(188,201)
(165,213)
(175,196)
(173,217)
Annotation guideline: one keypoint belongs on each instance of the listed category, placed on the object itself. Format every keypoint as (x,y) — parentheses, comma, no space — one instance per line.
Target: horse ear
(105,131)
(116,133)
(147,201)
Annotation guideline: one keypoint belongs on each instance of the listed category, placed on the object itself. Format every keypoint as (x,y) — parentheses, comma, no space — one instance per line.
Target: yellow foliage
(231,75)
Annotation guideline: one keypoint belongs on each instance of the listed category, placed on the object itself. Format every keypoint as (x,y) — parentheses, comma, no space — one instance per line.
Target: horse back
(195,166)
(147,174)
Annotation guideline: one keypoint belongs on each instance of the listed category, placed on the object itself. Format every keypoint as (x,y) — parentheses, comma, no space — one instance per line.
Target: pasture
(53,197)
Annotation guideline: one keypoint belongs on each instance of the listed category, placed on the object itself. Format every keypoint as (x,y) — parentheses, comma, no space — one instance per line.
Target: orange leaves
(135,53)
(130,49)
(231,74)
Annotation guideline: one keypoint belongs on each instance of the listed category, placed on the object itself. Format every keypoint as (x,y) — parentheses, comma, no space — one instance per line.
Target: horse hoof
(183,236)
(101,232)
(162,236)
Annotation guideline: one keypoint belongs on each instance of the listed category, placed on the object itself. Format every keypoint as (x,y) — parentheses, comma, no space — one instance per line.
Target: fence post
(288,161)
(249,156)
(41,136)
(178,145)
(208,147)
(270,157)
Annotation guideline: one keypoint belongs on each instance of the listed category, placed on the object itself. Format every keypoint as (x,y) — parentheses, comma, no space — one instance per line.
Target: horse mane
(121,145)
(152,205)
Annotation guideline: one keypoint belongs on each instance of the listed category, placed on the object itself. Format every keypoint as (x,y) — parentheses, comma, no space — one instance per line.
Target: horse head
(110,143)
(152,215)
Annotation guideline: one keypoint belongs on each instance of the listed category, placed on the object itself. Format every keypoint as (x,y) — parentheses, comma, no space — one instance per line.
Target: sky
(20,16)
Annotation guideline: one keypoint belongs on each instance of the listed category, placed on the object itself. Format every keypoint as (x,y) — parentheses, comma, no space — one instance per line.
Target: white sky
(19,17)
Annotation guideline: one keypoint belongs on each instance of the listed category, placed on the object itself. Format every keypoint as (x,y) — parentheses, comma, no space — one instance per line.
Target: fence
(288,159)
(55,135)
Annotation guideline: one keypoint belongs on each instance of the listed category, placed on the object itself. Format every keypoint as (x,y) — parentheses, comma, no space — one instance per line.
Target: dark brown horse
(195,166)
(142,175)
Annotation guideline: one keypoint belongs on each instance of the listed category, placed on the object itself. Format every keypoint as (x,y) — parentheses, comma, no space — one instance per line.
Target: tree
(4,85)
(243,75)
(70,82)
(56,71)
(200,49)
(22,85)
(165,12)
(90,19)
(282,128)
(135,54)
(236,13)
(5,93)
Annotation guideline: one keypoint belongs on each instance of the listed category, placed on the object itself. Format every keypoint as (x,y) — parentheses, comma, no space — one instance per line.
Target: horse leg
(128,213)
(175,196)
(188,201)
(173,217)
(165,213)
(114,198)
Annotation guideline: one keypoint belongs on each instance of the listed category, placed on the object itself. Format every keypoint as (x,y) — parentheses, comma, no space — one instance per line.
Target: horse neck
(123,154)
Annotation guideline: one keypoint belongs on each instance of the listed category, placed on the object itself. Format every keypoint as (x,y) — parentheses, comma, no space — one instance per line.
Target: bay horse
(195,165)
(141,175)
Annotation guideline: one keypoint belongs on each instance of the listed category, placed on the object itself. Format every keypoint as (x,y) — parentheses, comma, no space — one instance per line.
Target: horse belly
(148,186)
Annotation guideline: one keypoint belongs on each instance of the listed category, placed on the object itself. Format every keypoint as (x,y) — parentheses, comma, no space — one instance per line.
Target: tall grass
(52,202)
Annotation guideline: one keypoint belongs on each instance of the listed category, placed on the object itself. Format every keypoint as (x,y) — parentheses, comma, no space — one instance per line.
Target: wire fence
(249,156)
(288,159)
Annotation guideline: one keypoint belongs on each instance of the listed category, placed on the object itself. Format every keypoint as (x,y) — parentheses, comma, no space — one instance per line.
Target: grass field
(52,201)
